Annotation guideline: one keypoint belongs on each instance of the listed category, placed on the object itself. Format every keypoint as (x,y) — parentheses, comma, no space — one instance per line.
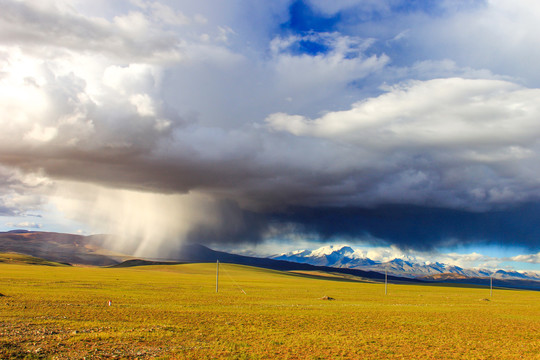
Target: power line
(228,275)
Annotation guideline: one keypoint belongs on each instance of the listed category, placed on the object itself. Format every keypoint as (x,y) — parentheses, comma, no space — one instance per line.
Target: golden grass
(15,258)
(173,312)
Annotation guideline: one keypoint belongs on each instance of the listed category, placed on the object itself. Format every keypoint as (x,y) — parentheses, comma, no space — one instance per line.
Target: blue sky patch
(304,18)
(312,47)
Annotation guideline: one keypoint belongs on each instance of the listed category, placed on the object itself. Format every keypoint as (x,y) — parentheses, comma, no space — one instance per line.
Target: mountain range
(344,256)
(92,250)
(333,261)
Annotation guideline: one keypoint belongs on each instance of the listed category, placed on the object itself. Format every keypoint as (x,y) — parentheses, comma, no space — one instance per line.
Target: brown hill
(442,277)
(57,247)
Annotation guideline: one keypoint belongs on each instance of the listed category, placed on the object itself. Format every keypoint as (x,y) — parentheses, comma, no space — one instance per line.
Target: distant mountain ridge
(344,256)
(92,250)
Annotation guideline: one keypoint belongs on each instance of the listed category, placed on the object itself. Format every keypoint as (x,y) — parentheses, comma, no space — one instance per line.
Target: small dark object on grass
(485,300)
(327,298)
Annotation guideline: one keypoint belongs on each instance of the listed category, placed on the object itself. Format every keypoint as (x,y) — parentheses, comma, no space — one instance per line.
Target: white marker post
(217,275)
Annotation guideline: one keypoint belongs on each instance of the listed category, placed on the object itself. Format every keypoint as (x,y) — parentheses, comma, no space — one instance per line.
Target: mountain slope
(200,253)
(78,249)
(15,258)
(57,247)
(333,256)
(345,257)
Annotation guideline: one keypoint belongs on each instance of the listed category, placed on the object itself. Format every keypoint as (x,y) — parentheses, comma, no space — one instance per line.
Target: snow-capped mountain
(344,256)
(334,256)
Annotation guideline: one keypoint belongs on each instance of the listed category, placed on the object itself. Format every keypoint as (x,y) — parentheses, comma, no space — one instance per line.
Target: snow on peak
(331,249)
(300,253)
(343,256)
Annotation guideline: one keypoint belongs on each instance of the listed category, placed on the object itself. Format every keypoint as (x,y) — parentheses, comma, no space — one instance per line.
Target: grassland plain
(164,312)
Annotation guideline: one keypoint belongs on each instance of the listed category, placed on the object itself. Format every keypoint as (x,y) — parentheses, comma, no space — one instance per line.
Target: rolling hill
(91,250)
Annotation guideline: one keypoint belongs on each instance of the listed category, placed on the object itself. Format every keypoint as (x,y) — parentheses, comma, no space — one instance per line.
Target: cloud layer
(302,118)
(453,142)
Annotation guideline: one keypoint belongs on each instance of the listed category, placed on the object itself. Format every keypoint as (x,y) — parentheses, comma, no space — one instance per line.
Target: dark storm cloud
(283,137)
(235,226)
(445,188)
(423,228)
(408,227)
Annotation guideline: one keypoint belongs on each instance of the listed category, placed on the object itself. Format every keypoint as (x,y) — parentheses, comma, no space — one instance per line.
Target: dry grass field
(173,312)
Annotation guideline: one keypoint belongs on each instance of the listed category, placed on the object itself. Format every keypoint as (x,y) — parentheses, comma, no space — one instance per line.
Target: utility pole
(385,281)
(217,275)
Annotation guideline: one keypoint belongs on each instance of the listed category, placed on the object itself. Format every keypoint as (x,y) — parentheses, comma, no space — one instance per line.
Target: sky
(265,125)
